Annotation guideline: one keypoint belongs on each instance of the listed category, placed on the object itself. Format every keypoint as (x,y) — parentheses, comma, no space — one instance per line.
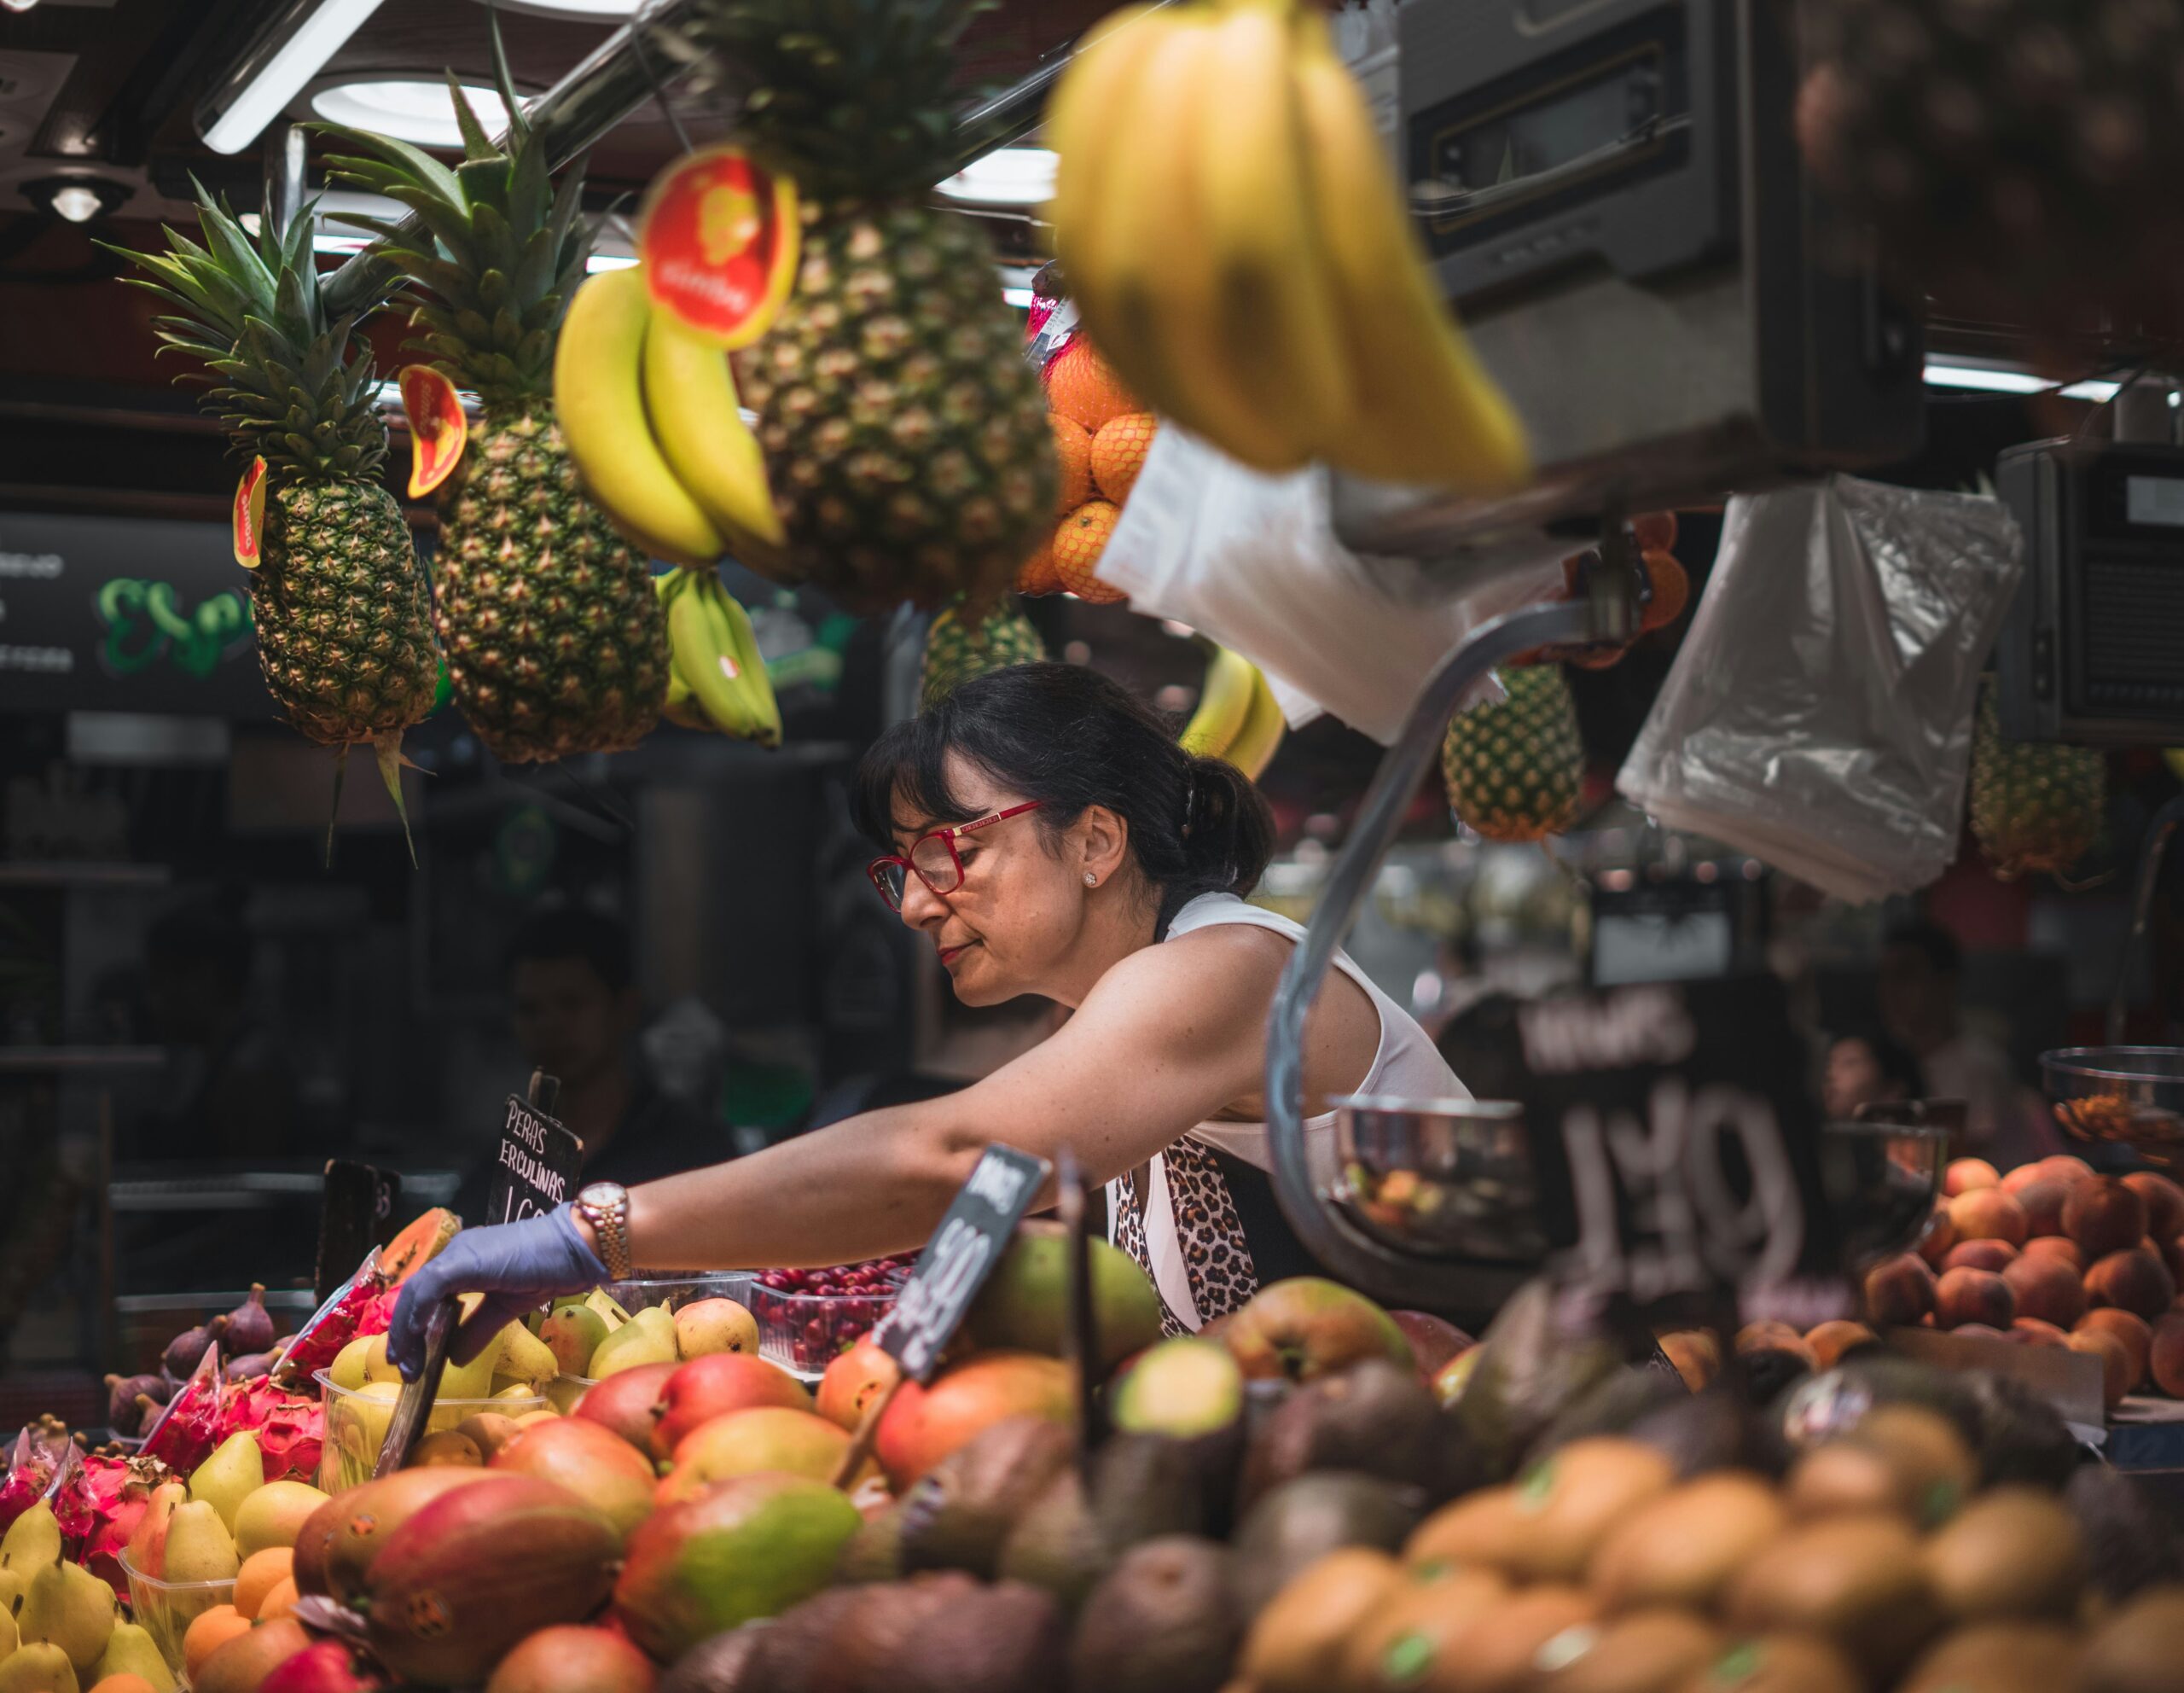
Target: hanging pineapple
(338,602)
(1515,769)
(555,642)
(954,652)
(905,435)
(2035,806)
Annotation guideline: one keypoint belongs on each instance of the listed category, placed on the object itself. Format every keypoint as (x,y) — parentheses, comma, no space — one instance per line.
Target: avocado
(1143,1485)
(2129,1545)
(1610,1406)
(1717,1429)
(958,1514)
(1375,1419)
(1301,1521)
(874,1634)
(1768,1372)
(732,1663)
(1006,1638)
(1165,1620)
(1534,1362)
(875,1552)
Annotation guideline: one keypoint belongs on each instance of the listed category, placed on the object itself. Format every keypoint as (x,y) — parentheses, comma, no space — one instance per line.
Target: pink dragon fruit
(33,1463)
(291,1430)
(187,1430)
(99,1507)
(364,1304)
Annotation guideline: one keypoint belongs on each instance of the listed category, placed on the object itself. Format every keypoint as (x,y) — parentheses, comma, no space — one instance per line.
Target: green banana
(734,637)
(1223,702)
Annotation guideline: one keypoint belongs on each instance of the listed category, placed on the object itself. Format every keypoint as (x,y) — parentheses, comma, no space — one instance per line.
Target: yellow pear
(526,1358)
(132,1652)
(612,1314)
(32,1542)
(235,1471)
(274,1515)
(37,1668)
(10,1635)
(199,1546)
(649,1337)
(705,1326)
(69,1607)
(351,1365)
(12,1584)
(377,1366)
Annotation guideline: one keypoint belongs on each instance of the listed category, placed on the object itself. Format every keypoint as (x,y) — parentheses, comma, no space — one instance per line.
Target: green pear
(12,1584)
(649,1337)
(199,1546)
(573,1333)
(351,1365)
(516,1390)
(235,1471)
(363,1418)
(132,1652)
(377,1366)
(32,1542)
(10,1635)
(526,1358)
(470,1381)
(37,1668)
(602,1304)
(70,1607)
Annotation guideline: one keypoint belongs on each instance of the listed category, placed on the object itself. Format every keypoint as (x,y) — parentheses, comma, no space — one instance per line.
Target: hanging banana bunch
(715,680)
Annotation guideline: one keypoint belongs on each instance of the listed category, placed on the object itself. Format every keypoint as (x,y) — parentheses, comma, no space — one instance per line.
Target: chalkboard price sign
(964,1250)
(535,1168)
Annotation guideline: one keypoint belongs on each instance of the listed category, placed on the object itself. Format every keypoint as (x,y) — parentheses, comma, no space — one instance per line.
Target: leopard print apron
(1216,1258)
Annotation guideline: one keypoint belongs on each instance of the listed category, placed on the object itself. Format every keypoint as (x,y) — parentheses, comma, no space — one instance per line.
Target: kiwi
(1647,1651)
(1930,1453)
(2138,1648)
(1486,1528)
(1999,1657)
(1296,1643)
(2011,1554)
(1418,1640)
(1779,1663)
(1858,1579)
(1502,1649)
(1163,1621)
(1843,1478)
(1567,1503)
(1685,1547)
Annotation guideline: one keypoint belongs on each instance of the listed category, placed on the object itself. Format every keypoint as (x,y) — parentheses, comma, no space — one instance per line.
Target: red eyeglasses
(934,857)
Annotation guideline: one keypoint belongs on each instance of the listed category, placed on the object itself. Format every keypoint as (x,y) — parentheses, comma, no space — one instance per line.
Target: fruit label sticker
(717,236)
(965,1248)
(1675,1143)
(438,428)
(535,1168)
(250,516)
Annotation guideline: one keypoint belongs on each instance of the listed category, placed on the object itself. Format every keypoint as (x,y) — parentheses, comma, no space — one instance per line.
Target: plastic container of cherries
(809,1318)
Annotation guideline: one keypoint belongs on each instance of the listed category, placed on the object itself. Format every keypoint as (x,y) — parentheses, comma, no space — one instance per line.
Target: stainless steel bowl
(1439,1177)
(2120,1095)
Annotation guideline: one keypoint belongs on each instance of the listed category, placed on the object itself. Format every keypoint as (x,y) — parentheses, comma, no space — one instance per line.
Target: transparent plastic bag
(1820,712)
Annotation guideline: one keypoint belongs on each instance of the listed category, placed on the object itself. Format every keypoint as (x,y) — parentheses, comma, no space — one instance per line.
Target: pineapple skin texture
(1515,770)
(2035,805)
(555,641)
(340,610)
(905,433)
(954,653)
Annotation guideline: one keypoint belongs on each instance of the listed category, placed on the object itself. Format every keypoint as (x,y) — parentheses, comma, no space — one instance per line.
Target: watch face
(602,1194)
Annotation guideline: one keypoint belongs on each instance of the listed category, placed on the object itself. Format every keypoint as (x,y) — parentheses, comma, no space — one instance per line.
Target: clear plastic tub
(806,1332)
(166,1609)
(356,1421)
(676,1291)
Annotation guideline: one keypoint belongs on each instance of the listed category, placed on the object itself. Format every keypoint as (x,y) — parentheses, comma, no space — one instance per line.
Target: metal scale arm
(1607,613)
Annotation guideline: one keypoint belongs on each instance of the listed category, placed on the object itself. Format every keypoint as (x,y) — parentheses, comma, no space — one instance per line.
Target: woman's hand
(518,1266)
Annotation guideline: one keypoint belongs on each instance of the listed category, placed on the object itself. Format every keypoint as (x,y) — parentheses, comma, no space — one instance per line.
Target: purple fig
(124,1415)
(248,1368)
(186,1350)
(250,1325)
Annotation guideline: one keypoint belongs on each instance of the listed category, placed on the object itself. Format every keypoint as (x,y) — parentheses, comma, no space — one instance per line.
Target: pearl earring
(1091,880)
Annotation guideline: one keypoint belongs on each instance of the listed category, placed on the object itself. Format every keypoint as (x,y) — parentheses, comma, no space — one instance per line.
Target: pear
(32,1542)
(351,1365)
(649,1337)
(199,1546)
(363,1419)
(147,1550)
(573,1333)
(37,1668)
(602,1303)
(235,1471)
(526,1358)
(10,1635)
(705,1326)
(377,1366)
(470,1381)
(275,1514)
(132,1652)
(70,1607)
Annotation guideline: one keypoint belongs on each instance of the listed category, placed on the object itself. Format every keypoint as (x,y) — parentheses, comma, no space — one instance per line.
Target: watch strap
(610,1221)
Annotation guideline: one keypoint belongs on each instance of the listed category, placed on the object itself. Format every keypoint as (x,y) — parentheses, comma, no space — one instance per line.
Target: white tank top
(1200,1265)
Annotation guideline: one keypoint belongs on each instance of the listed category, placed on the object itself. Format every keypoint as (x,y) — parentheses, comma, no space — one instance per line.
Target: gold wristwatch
(606,1206)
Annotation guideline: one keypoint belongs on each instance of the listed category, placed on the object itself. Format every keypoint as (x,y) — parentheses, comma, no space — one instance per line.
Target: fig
(186,1350)
(125,1400)
(248,1368)
(250,1325)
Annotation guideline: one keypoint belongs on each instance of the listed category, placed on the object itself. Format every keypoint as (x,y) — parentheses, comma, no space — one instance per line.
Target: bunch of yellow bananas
(716,678)
(650,411)
(1237,717)
(1233,235)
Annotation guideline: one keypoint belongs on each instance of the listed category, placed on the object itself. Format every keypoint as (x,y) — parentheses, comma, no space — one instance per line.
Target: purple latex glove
(518,1266)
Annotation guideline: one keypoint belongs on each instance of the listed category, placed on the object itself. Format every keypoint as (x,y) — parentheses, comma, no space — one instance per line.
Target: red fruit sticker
(438,428)
(718,234)
(250,516)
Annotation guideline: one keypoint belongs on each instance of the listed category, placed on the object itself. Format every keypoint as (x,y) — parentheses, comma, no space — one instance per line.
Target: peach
(1697,1356)
(1974,1296)
(2015,1182)
(2044,1201)
(1969,1175)
(2058,1246)
(1768,1332)
(1988,1255)
(1988,1214)
(2065,1168)
(1979,1331)
(2032,1331)
(2130,1329)
(1830,1340)
(2103,1215)
(2164,1202)
(1941,1235)
(1899,1292)
(2047,1288)
(2114,1364)
(2135,1280)
(2166,1357)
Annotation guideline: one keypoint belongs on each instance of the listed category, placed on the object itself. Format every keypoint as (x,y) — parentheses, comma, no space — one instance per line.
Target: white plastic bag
(1820,712)
(1252,561)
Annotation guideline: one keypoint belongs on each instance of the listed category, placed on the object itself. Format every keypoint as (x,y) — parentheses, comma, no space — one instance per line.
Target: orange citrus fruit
(122,1682)
(261,1572)
(1079,539)
(1036,574)
(207,1632)
(1118,452)
(281,1602)
(1081,386)
(1073,454)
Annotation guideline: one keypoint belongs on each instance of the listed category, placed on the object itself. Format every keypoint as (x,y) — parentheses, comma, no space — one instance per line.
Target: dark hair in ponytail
(1067,736)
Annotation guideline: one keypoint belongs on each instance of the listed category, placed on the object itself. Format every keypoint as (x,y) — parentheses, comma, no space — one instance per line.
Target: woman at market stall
(1043,831)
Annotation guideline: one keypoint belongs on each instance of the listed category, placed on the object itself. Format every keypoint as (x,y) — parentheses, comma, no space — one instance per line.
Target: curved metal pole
(2159,833)
(1607,616)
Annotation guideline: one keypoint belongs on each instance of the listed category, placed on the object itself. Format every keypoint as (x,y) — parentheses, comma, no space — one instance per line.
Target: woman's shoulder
(1229,956)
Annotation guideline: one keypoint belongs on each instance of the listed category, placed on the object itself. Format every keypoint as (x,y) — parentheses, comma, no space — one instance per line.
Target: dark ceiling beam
(132,60)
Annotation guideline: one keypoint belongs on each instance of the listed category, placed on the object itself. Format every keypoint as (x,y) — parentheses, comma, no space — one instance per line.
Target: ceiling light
(18,5)
(77,198)
(408,109)
(272,71)
(1007,176)
(1998,379)
(77,203)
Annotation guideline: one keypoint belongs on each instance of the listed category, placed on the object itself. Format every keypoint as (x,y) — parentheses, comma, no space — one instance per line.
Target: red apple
(2103,1215)
(1974,1296)
(1967,1175)
(1988,1214)
(1433,1339)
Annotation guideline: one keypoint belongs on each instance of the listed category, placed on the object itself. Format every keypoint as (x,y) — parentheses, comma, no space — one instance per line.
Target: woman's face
(1010,927)
(1854,1079)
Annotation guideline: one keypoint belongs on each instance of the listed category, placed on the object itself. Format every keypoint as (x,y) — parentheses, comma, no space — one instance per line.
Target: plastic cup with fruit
(808,1318)
(356,1420)
(166,1609)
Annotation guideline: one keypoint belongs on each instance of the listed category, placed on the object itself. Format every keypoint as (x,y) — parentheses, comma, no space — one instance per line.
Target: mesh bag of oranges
(1102,432)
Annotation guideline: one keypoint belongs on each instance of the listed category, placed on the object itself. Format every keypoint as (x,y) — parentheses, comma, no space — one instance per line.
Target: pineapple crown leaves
(289,384)
(852,98)
(503,250)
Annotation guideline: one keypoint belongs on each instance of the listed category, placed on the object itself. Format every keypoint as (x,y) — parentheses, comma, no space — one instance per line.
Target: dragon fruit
(364,1306)
(33,1463)
(99,1507)
(186,1432)
(291,1430)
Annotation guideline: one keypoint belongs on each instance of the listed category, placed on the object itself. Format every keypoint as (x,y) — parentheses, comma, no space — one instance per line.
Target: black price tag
(1675,1141)
(537,1166)
(964,1250)
(354,1217)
